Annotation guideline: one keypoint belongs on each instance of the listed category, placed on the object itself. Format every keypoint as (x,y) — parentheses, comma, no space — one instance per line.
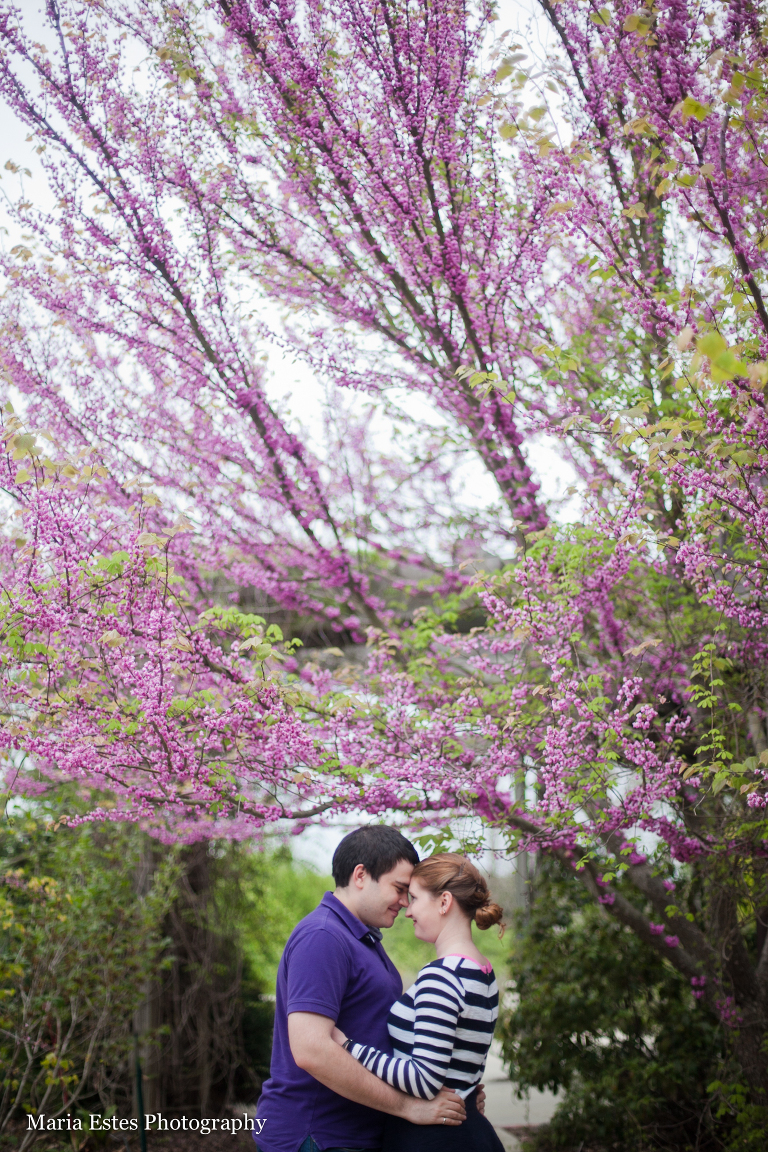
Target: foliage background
(600,1018)
(620,660)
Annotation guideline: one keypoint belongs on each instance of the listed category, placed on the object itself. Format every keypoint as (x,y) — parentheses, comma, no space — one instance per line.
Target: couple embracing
(356,1063)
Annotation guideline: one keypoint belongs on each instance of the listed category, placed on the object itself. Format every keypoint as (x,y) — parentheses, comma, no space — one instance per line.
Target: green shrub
(105,933)
(277,892)
(601,1018)
(77,948)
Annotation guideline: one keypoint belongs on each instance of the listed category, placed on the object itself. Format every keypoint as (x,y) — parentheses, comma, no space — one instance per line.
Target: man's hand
(481,1099)
(446,1106)
(312,1047)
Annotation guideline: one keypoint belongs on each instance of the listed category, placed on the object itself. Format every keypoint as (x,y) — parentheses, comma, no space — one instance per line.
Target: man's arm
(314,1050)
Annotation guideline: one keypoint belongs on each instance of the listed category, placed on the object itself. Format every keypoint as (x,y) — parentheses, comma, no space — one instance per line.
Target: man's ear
(358,875)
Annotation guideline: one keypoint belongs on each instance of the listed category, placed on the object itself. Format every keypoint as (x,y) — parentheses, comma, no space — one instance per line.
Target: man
(334,970)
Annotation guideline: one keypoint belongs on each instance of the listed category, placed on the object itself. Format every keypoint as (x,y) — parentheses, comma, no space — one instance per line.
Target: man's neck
(341,895)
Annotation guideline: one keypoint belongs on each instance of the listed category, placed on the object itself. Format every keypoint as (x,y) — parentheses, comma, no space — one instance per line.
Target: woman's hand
(338,1035)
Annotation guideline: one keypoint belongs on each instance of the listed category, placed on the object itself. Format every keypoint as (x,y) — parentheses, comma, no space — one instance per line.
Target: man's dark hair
(377,848)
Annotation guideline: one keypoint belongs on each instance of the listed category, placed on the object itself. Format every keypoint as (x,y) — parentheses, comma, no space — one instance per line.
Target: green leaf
(726,366)
(150,540)
(638,22)
(746,456)
(640,126)
(262,650)
(111,637)
(628,439)
(603,17)
(711,345)
(559,206)
(693,107)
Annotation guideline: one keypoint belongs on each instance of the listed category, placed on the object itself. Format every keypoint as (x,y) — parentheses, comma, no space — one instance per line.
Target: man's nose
(403,899)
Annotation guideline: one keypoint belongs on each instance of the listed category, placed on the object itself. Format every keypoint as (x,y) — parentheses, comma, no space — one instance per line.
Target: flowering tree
(576,248)
(114,676)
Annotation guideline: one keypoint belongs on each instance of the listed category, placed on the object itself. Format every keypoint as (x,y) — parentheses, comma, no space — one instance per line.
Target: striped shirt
(441,1030)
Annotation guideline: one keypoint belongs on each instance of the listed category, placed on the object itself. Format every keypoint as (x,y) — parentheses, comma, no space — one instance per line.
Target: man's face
(382,899)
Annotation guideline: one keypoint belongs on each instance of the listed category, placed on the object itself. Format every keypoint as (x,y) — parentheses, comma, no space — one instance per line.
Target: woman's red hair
(450,872)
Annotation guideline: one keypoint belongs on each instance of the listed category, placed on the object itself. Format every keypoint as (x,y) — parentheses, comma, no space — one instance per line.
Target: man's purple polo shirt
(333,967)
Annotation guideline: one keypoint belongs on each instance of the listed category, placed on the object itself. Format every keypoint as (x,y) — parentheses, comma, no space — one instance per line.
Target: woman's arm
(437,1003)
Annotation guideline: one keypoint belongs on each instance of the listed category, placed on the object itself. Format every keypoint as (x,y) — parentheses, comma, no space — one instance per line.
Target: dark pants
(476,1134)
(309,1145)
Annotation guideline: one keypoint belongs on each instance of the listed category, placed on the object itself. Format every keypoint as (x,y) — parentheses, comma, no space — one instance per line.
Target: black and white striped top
(441,1030)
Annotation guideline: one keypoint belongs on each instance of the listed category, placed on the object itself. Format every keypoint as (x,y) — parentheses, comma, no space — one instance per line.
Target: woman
(442,1027)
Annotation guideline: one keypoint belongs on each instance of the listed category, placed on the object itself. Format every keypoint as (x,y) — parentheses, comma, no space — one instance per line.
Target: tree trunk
(147,1018)
(749,1048)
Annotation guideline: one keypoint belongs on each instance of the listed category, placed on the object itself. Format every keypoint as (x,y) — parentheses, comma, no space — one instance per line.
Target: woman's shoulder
(438,969)
(454,970)
(466,965)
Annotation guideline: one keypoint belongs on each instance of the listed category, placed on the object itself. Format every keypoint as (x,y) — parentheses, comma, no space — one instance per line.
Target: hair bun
(481,895)
(489,914)
(450,872)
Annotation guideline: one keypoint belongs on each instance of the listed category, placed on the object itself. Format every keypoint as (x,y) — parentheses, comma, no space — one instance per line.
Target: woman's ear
(446,902)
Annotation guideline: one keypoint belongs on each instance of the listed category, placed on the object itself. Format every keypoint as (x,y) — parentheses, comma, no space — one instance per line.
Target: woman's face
(424,910)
